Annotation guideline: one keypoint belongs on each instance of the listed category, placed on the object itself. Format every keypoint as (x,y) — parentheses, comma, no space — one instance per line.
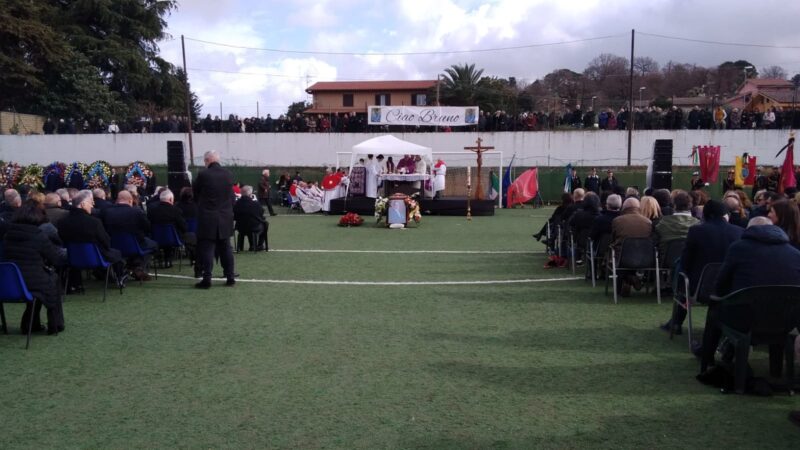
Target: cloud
(445,25)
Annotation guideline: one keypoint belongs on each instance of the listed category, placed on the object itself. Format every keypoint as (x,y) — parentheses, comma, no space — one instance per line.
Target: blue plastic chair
(191,225)
(127,244)
(13,290)
(167,237)
(85,256)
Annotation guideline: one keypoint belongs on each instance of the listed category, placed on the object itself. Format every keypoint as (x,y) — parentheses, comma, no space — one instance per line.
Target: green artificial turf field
(429,363)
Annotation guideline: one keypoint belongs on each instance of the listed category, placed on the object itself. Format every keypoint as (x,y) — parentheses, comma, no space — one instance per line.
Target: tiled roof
(401,85)
(780,95)
(764,82)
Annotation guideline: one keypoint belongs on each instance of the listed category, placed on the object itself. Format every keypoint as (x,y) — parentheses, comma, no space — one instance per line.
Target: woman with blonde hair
(650,209)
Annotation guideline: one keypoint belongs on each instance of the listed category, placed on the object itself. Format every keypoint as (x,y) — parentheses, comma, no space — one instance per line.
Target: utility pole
(630,102)
(188,105)
(257,111)
(437,97)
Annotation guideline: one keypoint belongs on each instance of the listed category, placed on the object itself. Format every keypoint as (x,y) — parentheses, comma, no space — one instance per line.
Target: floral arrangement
(412,207)
(11,174)
(99,175)
(32,177)
(350,220)
(73,175)
(53,176)
(138,174)
(380,208)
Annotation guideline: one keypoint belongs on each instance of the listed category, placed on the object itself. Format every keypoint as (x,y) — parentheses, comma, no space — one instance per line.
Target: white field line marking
(386,283)
(455,252)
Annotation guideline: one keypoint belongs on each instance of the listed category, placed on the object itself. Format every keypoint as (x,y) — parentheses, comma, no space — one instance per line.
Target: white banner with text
(441,116)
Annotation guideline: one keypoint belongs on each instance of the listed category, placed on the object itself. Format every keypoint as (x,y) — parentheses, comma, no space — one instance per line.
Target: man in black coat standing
(213,192)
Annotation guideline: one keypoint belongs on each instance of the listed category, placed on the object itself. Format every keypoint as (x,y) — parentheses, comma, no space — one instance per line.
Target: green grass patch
(262,365)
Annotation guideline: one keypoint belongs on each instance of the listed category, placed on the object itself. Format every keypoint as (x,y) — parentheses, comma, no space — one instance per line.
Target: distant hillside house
(762,94)
(337,97)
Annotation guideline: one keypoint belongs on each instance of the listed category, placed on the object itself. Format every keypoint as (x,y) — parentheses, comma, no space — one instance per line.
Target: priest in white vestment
(310,197)
(371,183)
(421,167)
(439,172)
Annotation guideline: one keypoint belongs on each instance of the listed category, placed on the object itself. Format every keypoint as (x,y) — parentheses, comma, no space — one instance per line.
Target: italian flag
(495,190)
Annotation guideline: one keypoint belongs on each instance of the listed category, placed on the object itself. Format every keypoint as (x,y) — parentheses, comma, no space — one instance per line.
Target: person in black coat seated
(166,213)
(582,221)
(664,199)
(186,204)
(601,225)
(213,191)
(37,257)
(566,200)
(249,216)
(706,243)
(81,227)
(124,218)
(12,202)
(763,256)
(100,202)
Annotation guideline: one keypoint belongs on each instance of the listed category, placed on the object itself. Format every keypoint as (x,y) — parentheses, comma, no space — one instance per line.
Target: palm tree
(459,84)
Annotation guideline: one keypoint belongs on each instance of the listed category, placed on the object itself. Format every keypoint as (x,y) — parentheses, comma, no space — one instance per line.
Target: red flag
(524,188)
(709,163)
(751,171)
(787,171)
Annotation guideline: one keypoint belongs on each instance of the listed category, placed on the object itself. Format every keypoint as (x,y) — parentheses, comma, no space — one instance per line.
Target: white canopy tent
(388,145)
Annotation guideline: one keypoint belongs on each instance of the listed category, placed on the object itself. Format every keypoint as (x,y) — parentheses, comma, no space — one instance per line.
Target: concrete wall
(584,148)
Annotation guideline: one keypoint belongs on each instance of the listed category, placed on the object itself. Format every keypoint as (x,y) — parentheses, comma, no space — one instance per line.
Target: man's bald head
(124,198)
(631,202)
(12,198)
(52,200)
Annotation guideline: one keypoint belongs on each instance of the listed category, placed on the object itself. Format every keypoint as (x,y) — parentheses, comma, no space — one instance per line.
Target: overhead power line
(440,52)
(731,44)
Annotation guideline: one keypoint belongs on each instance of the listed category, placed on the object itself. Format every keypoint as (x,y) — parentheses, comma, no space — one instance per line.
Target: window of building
(383,99)
(419,100)
(347,100)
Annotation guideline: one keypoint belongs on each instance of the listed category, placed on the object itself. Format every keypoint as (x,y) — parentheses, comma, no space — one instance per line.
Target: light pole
(745,69)
(641,89)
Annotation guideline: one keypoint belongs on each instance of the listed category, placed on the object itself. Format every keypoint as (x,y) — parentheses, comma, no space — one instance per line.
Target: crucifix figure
(479,150)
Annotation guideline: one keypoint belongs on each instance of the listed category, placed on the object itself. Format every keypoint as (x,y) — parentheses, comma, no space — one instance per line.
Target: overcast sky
(240,77)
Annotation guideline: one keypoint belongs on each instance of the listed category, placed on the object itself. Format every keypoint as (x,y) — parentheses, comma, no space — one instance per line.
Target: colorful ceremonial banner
(787,170)
(441,116)
(709,163)
(524,188)
(745,170)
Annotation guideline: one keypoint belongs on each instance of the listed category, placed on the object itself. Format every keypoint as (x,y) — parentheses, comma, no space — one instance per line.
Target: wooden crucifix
(479,150)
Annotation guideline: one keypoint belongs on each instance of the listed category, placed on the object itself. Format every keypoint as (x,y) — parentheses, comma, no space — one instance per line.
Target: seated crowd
(35,231)
(757,244)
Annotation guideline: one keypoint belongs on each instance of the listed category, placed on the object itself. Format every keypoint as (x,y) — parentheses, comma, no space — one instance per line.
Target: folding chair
(577,241)
(596,254)
(635,254)
(702,293)
(673,252)
(191,225)
(127,244)
(767,309)
(167,237)
(86,256)
(14,290)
